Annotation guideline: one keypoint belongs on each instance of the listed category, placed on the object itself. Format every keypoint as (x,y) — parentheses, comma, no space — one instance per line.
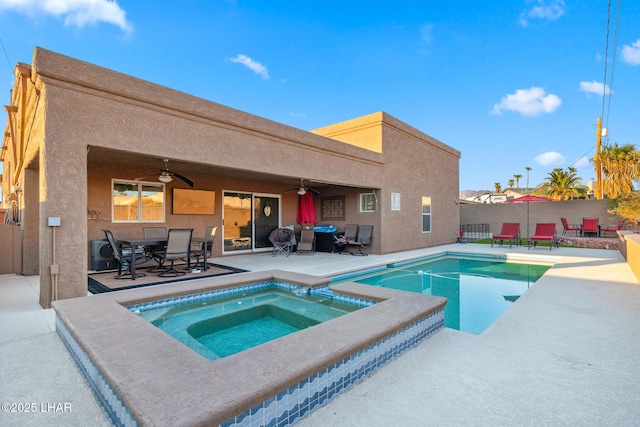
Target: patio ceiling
(101,155)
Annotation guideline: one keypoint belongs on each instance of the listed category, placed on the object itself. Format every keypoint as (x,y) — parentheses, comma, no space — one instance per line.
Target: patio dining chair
(153,251)
(124,257)
(591,225)
(545,232)
(610,228)
(178,247)
(510,232)
(363,240)
(198,249)
(570,227)
(350,235)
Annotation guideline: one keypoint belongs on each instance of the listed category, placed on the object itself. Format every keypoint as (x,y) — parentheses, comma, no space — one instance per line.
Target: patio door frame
(252,198)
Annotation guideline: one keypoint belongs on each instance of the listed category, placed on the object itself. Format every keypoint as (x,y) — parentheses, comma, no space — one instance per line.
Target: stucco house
(83,148)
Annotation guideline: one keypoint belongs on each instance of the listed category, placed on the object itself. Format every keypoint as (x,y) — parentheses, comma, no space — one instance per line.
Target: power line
(613,63)
(606,58)
(6,56)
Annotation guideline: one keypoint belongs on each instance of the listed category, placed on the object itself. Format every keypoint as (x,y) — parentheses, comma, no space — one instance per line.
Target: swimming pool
(219,325)
(478,289)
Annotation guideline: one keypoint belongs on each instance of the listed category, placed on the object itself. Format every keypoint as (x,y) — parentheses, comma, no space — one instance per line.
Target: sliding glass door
(248,219)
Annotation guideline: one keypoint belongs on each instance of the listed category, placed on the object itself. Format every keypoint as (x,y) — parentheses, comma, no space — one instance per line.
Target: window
(367,202)
(135,201)
(426,214)
(395,201)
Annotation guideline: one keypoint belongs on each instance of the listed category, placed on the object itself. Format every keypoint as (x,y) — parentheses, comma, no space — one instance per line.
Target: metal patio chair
(178,247)
(124,257)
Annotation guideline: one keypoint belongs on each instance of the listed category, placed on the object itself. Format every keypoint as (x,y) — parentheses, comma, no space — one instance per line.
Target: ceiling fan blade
(184,178)
(313,190)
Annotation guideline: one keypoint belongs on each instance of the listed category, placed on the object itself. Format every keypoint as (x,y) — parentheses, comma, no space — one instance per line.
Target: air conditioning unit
(102,255)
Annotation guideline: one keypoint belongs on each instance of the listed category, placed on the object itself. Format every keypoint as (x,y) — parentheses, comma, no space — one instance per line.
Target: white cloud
(75,12)
(631,54)
(547,10)
(426,33)
(582,162)
(251,64)
(528,102)
(550,158)
(595,87)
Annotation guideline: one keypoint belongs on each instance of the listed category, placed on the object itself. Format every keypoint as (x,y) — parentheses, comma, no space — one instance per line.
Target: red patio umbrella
(306,209)
(529,198)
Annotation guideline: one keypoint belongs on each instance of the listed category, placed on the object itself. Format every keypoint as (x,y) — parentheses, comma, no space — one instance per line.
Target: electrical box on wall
(54,221)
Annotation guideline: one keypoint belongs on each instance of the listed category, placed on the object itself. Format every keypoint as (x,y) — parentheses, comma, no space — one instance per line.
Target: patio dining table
(133,243)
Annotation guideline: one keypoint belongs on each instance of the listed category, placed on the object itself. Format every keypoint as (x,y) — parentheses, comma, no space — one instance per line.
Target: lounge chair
(178,247)
(591,225)
(610,228)
(362,241)
(307,243)
(570,227)
(124,257)
(282,240)
(545,232)
(510,232)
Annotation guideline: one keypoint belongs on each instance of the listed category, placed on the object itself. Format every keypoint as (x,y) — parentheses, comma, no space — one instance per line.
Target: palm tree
(528,169)
(620,167)
(510,182)
(517,178)
(562,185)
(498,187)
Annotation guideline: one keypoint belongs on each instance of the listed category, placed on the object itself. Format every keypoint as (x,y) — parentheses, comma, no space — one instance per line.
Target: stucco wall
(630,249)
(418,165)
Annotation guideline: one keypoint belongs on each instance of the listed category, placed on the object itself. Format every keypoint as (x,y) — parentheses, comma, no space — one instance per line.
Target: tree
(528,169)
(627,207)
(498,187)
(562,184)
(517,178)
(620,167)
(510,182)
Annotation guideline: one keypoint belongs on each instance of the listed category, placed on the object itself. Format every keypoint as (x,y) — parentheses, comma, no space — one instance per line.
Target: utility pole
(599,193)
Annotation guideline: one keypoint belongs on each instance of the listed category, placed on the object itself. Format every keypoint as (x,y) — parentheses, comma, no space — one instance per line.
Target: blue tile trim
(188,299)
(325,291)
(113,407)
(502,257)
(297,402)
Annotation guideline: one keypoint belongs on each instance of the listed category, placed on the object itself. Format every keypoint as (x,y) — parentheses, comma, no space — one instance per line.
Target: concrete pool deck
(564,354)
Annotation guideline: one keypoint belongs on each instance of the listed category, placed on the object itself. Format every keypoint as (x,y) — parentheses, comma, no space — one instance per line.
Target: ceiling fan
(302,190)
(167,175)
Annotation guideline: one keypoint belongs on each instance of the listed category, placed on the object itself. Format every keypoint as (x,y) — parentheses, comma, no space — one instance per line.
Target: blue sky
(511,84)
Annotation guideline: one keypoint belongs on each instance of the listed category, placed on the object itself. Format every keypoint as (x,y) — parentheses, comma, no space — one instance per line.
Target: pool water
(222,326)
(478,290)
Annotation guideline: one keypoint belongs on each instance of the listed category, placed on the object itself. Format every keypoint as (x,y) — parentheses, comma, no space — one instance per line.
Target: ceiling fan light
(165,178)
(302,191)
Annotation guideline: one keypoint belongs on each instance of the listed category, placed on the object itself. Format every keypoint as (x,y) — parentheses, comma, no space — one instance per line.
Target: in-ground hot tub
(142,376)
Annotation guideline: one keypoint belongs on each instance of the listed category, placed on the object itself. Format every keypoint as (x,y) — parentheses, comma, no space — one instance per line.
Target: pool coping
(164,383)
